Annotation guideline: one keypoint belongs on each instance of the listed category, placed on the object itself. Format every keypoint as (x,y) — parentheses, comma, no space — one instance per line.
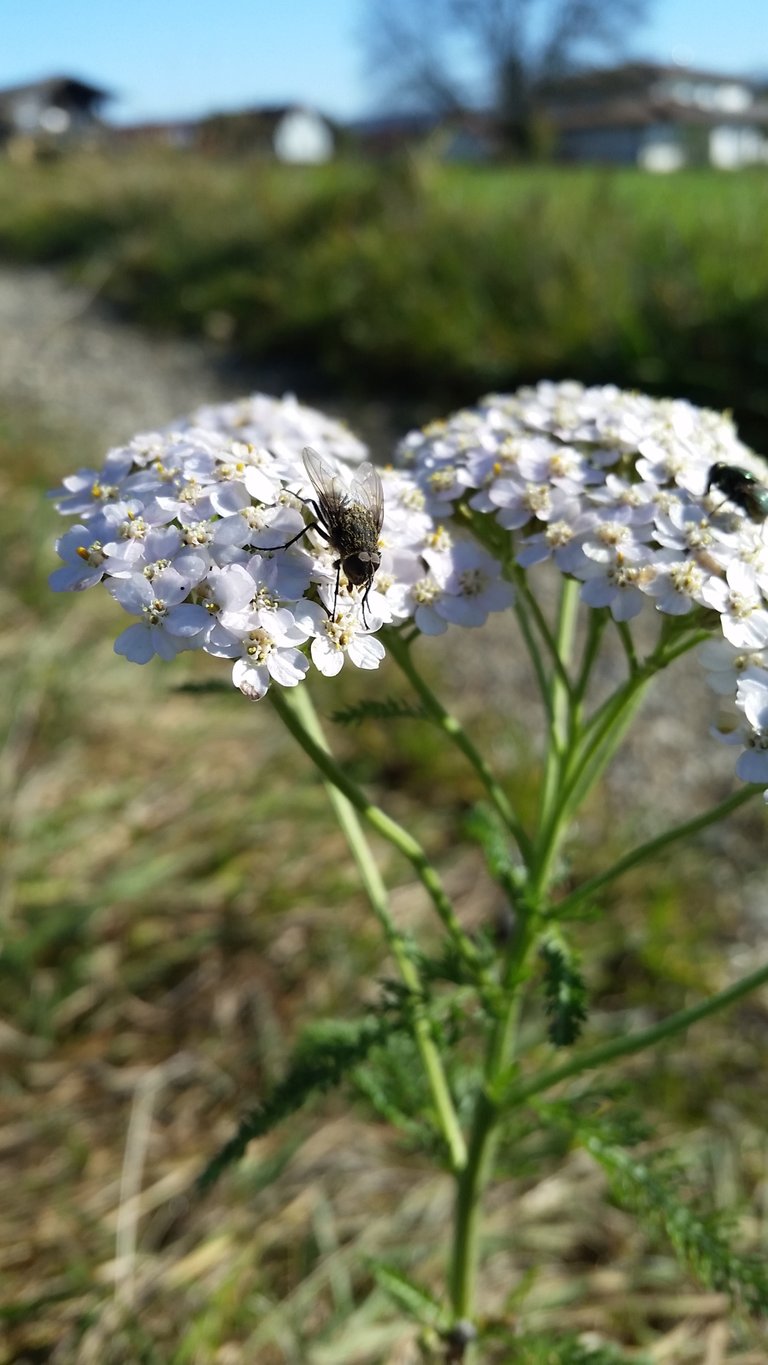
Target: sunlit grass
(438,281)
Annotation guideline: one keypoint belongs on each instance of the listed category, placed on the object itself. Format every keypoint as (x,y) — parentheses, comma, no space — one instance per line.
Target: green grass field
(438,281)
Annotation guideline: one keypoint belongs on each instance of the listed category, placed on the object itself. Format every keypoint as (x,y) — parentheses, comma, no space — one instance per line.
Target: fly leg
(311,526)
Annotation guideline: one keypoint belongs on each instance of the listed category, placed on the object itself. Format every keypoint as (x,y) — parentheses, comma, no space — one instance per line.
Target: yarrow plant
(214,534)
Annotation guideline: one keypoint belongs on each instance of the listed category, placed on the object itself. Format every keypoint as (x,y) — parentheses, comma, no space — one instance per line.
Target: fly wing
(366,488)
(325,479)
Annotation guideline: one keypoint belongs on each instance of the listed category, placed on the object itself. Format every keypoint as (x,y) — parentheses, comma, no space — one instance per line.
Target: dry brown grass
(175,904)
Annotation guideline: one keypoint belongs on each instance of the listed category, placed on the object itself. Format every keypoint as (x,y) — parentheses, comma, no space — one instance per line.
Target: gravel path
(64,355)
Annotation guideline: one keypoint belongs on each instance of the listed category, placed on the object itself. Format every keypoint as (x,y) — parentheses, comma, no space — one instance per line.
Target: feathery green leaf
(324,1055)
(564,990)
(700,1240)
(391,708)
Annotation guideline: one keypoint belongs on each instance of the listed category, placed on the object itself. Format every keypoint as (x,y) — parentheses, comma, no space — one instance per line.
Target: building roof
(642,93)
(53,88)
(269,113)
(640,74)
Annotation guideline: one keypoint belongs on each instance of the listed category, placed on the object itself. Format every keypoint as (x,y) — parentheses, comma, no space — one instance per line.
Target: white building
(659,118)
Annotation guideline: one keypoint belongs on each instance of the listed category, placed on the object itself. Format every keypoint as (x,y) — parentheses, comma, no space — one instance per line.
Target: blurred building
(57,111)
(179,133)
(660,118)
(290,133)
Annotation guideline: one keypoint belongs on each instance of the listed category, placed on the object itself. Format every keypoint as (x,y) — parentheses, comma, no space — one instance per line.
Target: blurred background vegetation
(422,279)
(176,902)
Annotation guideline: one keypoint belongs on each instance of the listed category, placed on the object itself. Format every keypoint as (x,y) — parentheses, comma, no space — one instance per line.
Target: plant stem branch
(453,728)
(562,715)
(644,852)
(290,710)
(520,580)
(377,895)
(484,1134)
(520,1091)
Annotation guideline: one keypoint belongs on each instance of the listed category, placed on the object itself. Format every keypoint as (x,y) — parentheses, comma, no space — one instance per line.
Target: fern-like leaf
(407,1294)
(391,708)
(701,1241)
(379,1096)
(324,1056)
(564,991)
(484,827)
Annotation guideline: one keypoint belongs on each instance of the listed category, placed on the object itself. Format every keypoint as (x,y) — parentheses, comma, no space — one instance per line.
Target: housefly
(348,517)
(740,487)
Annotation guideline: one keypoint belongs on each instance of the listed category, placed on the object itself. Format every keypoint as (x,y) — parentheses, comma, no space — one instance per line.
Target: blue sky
(177,58)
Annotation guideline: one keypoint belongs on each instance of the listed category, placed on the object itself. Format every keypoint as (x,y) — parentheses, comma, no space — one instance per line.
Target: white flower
(206,531)
(743,614)
(424,593)
(268,650)
(519,501)
(676,586)
(469,582)
(160,548)
(752,698)
(687,528)
(281,425)
(343,636)
(618,583)
(631,503)
(167,624)
(84,555)
(725,665)
(89,490)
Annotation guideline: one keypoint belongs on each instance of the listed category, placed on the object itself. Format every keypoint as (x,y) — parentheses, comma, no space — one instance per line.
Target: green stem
(567,619)
(552,643)
(289,708)
(665,654)
(562,716)
(520,1091)
(579,777)
(469,1189)
(644,852)
(485,1125)
(472,1180)
(484,1135)
(628,644)
(597,619)
(377,895)
(605,729)
(452,727)
(533,652)
(588,761)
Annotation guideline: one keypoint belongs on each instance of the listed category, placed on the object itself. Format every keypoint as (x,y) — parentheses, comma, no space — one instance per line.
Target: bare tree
(445,55)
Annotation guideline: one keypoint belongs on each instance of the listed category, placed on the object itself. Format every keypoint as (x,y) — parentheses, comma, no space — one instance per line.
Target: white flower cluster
(206,533)
(619,490)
